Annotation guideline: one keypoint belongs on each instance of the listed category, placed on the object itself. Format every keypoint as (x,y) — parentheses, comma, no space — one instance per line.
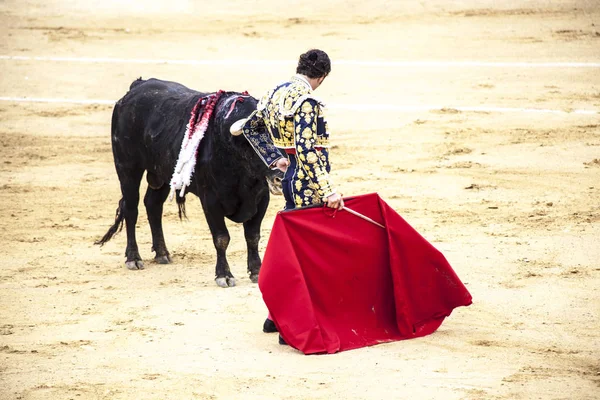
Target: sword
(351,211)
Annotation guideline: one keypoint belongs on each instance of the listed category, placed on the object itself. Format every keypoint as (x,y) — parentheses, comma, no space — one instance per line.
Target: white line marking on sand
(425,108)
(345,107)
(60,101)
(358,63)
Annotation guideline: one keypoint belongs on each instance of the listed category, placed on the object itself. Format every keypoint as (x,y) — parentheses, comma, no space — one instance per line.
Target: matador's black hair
(314,64)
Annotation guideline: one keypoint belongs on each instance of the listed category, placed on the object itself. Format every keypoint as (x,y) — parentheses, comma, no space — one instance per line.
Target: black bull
(148,125)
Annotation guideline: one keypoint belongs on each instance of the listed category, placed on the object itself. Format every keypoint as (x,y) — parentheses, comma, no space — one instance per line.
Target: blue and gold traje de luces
(289,118)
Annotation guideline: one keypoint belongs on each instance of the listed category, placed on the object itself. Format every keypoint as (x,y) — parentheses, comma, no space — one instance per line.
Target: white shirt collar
(304,80)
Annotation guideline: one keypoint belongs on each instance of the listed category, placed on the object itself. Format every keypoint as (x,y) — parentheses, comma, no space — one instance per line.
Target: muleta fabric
(335,284)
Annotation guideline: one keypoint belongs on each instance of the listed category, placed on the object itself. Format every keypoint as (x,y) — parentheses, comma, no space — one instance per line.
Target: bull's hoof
(254,278)
(225,282)
(166,259)
(134,265)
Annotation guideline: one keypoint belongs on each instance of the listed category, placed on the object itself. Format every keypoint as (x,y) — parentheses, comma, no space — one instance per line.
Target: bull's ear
(237,127)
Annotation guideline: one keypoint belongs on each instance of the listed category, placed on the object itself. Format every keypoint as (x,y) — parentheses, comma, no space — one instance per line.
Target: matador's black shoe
(281,341)
(269,326)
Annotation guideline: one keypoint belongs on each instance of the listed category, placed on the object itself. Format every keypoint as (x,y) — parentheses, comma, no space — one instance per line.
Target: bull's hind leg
(216,222)
(130,188)
(252,235)
(154,200)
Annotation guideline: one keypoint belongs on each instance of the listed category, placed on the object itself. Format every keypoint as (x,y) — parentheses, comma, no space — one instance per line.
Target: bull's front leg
(224,277)
(215,218)
(252,235)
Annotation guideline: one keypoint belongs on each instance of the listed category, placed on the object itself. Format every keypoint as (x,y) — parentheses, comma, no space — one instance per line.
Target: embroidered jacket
(292,119)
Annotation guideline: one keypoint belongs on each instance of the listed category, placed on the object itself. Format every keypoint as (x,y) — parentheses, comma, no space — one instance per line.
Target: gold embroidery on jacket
(295,120)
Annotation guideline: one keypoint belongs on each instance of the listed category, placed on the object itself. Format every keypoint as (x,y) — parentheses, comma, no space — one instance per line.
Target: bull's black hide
(148,125)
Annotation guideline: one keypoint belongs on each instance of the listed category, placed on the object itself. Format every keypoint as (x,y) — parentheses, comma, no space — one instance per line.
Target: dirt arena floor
(511,197)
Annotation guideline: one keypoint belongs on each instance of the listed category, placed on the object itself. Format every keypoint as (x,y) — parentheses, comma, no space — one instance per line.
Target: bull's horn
(237,126)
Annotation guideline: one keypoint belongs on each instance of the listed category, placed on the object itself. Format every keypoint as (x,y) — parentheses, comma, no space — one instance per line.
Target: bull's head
(274,179)
(237,108)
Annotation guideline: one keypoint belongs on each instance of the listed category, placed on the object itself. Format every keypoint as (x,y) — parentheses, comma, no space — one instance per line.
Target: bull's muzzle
(275,186)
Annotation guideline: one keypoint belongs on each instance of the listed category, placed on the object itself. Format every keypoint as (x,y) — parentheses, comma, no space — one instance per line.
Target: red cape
(339,283)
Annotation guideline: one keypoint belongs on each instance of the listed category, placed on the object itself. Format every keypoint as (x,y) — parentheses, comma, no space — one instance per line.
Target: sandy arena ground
(511,198)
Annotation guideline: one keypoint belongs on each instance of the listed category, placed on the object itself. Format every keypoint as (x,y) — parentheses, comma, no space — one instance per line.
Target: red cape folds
(334,284)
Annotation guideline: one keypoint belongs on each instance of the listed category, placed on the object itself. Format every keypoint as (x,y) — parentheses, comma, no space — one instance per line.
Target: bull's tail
(181,205)
(117,226)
